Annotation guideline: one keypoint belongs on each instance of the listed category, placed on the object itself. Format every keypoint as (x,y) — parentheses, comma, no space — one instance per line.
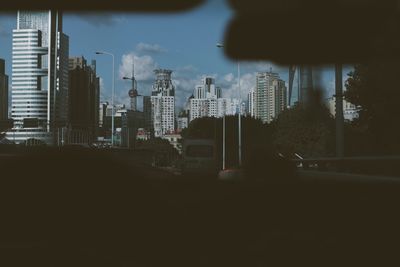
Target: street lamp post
(223,129)
(339,110)
(112,94)
(219,45)
(239,118)
(133,94)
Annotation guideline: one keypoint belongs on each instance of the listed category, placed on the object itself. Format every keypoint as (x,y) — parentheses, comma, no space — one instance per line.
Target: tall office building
(269,96)
(39,76)
(148,125)
(162,103)
(3,92)
(84,97)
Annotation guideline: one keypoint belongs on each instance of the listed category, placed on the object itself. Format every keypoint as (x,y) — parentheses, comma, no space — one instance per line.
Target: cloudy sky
(184,42)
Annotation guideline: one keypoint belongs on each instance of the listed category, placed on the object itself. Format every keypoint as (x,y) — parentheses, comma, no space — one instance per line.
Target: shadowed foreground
(81,208)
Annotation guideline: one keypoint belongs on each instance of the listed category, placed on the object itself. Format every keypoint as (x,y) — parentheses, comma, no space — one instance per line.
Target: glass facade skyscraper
(39,76)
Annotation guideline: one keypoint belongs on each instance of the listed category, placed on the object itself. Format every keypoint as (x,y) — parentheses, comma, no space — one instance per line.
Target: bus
(199,157)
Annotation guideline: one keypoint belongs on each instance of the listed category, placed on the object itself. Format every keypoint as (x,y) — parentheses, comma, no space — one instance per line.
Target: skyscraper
(84,97)
(163,103)
(39,76)
(269,96)
(3,92)
(251,103)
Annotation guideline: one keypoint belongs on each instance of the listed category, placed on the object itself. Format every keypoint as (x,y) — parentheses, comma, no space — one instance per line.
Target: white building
(207,89)
(163,103)
(174,140)
(163,114)
(183,123)
(39,76)
(203,107)
(228,107)
(350,111)
(269,97)
(207,102)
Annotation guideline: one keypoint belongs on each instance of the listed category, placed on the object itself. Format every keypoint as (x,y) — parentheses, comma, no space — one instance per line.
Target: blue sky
(184,42)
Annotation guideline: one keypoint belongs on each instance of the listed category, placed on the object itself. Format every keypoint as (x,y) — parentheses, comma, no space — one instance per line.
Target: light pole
(239,118)
(339,110)
(219,45)
(223,129)
(112,94)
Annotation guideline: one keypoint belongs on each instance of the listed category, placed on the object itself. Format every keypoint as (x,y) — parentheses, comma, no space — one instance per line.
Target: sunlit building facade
(162,103)
(270,97)
(39,77)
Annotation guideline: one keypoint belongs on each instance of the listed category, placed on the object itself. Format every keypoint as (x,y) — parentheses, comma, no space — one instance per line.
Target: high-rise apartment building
(207,101)
(269,98)
(3,92)
(203,107)
(251,103)
(39,76)
(162,103)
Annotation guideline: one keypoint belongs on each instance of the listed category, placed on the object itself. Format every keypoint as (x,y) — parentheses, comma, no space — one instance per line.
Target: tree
(306,131)
(255,136)
(164,154)
(374,87)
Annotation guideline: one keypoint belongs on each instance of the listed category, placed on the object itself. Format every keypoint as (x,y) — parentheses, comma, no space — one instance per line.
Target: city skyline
(185,43)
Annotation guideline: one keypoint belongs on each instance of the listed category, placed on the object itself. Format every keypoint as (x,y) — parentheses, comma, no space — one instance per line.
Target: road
(101,209)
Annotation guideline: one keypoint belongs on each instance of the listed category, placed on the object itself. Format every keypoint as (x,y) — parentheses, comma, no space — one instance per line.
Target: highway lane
(83,209)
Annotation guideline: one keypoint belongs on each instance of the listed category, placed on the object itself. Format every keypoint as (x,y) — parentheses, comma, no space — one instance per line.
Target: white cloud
(230,88)
(150,48)
(184,87)
(120,96)
(229,77)
(103,96)
(187,69)
(144,67)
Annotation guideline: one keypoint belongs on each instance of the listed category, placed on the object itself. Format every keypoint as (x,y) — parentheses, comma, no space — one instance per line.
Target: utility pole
(239,119)
(223,142)
(339,111)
